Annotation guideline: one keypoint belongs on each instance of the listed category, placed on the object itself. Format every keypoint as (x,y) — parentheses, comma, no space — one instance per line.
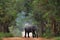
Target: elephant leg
(25,34)
(33,33)
(28,34)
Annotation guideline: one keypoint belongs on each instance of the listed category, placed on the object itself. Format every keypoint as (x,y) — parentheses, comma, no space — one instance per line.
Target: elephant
(32,29)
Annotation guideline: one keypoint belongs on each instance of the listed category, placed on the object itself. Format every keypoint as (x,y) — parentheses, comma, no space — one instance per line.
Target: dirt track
(18,38)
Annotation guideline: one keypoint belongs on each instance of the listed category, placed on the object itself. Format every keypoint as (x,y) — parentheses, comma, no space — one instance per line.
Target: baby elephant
(32,29)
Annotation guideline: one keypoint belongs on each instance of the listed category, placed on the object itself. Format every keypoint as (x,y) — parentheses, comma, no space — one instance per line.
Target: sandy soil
(19,38)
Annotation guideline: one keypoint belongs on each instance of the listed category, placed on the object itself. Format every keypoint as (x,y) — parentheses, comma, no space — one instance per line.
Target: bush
(5,35)
(56,38)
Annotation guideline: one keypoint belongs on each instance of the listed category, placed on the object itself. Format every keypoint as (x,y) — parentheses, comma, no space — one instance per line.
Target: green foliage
(56,38)
(5,35)
(8,13)
(20,5)
(15,31)
(48,33)
(42,12)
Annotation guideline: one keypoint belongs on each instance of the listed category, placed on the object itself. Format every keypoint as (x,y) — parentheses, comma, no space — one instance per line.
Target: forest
(43,13)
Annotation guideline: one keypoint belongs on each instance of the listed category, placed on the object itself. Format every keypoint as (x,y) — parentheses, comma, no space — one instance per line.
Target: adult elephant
(31,28)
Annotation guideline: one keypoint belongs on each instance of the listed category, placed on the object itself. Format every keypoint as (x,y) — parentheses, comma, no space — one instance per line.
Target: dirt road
(19,38)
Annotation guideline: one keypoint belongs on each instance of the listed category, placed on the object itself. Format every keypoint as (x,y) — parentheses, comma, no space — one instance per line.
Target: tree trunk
(41,29)
(53,26)
(4,28)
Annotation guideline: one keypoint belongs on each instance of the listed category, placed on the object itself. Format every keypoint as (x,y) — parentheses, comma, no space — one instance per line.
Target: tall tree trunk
(42,27)
(53,26)
(4,27)
(1,28)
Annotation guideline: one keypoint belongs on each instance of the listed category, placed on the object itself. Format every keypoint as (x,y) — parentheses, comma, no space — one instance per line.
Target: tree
(44,11)
(7,14)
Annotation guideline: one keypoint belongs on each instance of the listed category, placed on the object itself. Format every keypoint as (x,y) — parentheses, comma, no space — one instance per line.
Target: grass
(56,38)
(5,35)
(2,35)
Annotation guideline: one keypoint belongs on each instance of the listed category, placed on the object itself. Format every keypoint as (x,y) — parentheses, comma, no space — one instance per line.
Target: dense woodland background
(44,13)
